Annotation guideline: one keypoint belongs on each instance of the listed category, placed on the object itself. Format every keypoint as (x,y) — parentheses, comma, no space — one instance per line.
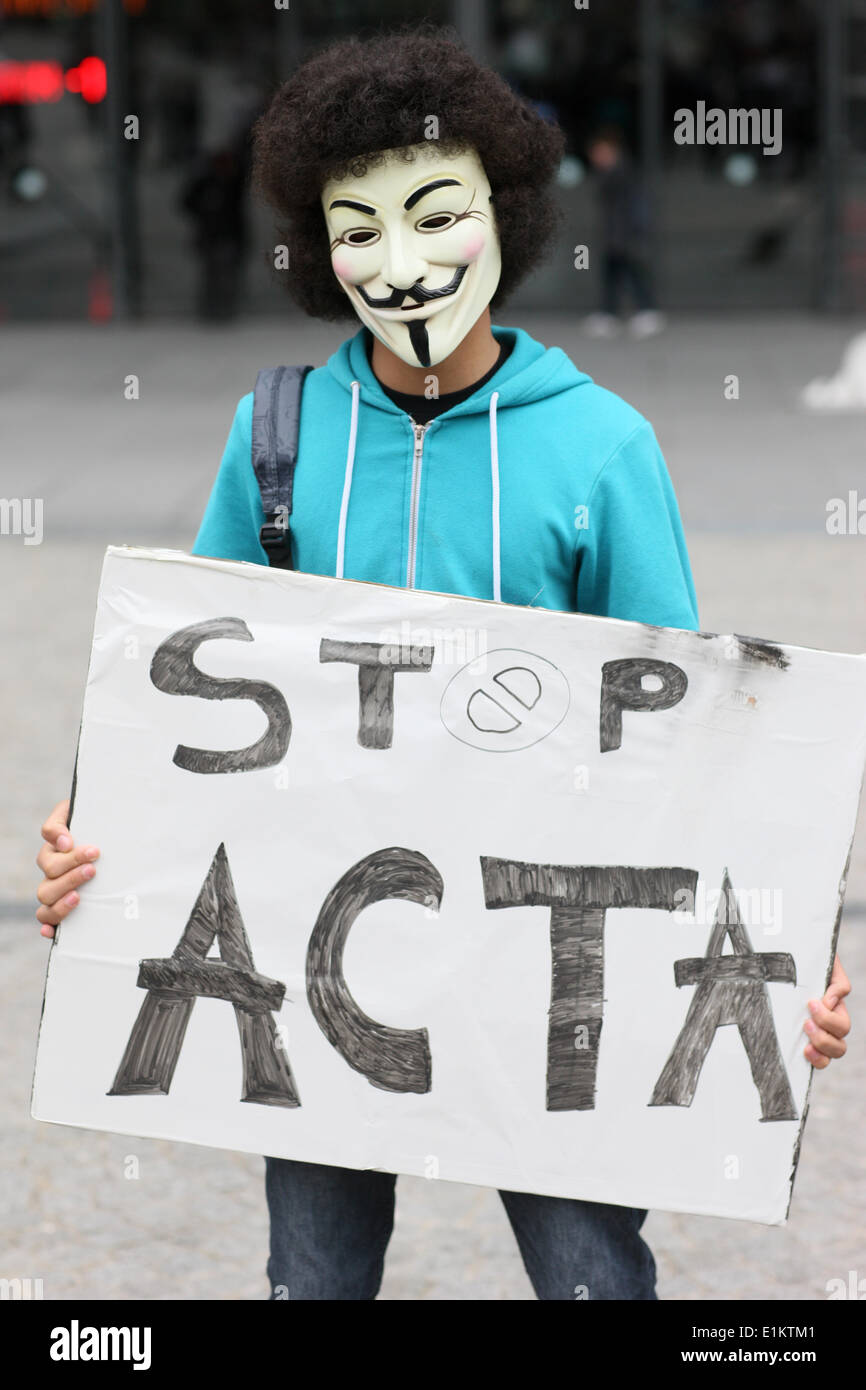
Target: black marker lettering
(730,989)
(578,897)
(393,1059)
(174,672)
(621,689)
(174,984)
(376,664)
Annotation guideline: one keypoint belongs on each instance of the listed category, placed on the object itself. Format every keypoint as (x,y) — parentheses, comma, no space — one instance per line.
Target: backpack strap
(276,421)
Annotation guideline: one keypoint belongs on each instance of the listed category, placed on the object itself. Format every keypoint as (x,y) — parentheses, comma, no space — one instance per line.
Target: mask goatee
(420,342)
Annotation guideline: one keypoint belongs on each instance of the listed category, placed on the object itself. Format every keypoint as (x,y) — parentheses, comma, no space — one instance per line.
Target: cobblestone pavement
(753,478)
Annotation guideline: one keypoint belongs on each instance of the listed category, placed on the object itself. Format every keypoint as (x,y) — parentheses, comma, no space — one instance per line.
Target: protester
(439,451)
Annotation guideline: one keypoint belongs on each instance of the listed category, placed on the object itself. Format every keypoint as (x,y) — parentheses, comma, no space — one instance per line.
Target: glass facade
(109,197)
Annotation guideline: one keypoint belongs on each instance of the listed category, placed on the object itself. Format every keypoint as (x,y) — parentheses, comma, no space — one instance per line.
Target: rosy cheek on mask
(342,266)
(473,246)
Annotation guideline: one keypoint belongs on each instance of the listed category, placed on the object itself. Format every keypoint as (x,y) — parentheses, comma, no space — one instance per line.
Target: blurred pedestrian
(625,236)
(215,201)
(16,132)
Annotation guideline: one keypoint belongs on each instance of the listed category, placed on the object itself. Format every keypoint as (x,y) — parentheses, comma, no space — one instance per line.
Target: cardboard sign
(399,880)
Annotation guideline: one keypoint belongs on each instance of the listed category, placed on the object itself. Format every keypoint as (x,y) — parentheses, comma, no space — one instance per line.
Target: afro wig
(357,98)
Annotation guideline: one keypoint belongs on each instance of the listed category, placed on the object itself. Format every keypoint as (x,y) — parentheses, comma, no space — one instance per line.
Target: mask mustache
(416,292)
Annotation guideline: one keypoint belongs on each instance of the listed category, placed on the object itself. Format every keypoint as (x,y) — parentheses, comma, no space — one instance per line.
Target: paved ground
(753,475)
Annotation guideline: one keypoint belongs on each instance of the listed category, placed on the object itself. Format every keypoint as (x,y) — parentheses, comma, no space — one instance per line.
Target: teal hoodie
(540,488)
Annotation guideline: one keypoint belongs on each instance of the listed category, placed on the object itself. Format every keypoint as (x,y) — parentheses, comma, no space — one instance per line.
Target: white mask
(419,234)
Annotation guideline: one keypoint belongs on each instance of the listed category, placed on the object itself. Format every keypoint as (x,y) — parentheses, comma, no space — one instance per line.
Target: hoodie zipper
(417,461)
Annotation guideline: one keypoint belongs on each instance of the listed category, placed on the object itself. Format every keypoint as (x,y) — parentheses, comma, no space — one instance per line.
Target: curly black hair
(359,97)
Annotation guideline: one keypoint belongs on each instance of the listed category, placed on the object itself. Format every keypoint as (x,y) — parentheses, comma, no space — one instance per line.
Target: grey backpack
(276,420)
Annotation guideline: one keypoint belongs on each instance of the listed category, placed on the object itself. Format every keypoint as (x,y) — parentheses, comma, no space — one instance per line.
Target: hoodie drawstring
(494,478)
(347,479)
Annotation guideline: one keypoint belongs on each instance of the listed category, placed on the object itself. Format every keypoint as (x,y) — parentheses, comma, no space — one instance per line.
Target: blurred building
(93,223)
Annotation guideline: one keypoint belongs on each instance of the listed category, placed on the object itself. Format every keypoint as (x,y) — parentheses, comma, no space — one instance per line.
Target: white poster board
(457,867)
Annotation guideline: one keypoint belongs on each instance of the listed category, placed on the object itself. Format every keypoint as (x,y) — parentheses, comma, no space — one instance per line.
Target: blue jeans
(330,1229)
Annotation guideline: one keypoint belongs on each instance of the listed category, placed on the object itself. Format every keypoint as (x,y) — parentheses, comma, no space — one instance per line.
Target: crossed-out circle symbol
(505,700)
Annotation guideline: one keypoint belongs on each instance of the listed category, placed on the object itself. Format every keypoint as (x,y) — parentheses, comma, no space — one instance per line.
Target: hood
(531,372)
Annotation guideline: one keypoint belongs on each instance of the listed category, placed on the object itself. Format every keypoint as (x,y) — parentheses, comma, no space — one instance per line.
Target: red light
(43,82)
(29,83)
(9,82)
(28,8)
(100,302)
(91,79)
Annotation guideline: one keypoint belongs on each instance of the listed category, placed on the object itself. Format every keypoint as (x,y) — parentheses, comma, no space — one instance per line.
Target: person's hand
(829,1023)
(65,868)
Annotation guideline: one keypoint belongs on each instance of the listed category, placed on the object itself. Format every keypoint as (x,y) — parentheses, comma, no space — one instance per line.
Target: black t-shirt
(423,410)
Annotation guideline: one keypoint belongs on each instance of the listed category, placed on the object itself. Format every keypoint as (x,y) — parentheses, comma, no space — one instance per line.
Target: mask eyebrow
(348,203)
(428,188)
